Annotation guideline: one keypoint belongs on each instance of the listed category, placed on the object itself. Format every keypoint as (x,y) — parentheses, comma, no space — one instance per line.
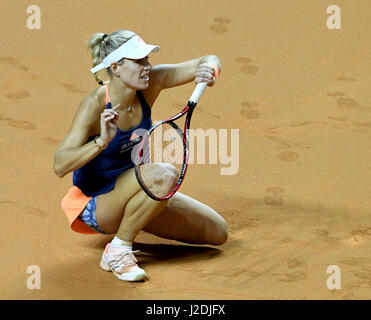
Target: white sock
(122,243)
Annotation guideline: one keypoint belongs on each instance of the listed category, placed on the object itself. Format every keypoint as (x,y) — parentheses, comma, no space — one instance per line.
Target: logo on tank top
(134,139)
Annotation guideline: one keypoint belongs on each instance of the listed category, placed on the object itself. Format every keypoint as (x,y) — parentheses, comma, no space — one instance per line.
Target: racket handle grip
(197,92)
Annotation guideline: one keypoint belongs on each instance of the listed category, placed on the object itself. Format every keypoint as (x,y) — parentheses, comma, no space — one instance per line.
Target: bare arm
(164,76)
(172,75)
(74,152)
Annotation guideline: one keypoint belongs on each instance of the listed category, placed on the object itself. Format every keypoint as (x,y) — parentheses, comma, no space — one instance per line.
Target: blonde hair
(101,45)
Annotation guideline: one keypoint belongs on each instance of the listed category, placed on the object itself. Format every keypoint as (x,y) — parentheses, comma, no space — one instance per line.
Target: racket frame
(188,109)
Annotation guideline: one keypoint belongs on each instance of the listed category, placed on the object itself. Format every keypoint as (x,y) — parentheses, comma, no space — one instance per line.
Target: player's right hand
(108,124)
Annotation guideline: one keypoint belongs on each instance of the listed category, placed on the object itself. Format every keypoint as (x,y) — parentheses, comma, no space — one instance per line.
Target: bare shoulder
(86,121)
(90,108)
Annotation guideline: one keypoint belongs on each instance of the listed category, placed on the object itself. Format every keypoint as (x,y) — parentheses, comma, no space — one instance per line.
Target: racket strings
(162,160)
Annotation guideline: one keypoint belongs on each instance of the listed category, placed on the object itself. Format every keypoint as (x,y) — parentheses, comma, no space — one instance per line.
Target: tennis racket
(162,155)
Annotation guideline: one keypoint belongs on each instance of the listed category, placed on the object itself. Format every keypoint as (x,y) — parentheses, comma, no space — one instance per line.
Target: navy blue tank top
(99,175)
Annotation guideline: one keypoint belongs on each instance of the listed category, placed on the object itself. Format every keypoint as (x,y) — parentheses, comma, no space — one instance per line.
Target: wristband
(98,145)
(216,70)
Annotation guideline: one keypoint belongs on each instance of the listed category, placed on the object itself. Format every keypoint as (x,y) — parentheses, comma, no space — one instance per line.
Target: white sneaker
(122,263)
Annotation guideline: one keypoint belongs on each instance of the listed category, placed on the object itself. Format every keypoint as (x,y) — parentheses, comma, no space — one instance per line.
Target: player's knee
(220,235)
(167,176)
(171,172)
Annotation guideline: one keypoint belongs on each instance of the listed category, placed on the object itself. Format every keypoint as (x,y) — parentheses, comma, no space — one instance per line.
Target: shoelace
(123,259)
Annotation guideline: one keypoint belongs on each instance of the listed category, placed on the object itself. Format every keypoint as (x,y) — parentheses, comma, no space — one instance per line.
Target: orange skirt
(73,204)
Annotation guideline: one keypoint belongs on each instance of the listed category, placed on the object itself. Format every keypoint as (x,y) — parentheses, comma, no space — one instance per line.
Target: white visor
(135,48)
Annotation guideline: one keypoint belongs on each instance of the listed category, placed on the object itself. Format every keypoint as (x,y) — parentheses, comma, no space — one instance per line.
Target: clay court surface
(298,92)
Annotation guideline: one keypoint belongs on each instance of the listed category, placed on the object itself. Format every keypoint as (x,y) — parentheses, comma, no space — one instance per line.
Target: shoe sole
(125,277)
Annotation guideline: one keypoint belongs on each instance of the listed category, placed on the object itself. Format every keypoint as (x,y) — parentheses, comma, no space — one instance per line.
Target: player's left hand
(205,73)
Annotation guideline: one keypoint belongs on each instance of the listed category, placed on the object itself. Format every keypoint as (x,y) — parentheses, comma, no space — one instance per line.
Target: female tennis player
(106,197)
